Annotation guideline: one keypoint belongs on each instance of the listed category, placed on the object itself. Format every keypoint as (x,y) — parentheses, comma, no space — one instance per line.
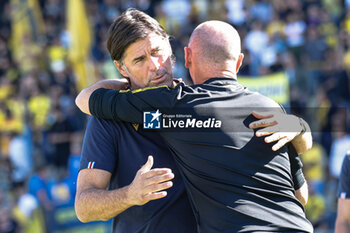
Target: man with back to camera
(342,224)
(200,212)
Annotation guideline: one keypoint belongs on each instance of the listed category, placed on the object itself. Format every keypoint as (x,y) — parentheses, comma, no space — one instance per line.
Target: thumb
(262,115)
(148,165)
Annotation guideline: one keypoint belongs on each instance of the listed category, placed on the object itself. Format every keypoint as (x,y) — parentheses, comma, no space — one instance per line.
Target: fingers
(280,144)
(152,191)
(267,131)
(155,179)
(282,139)
(159,178)
(279,135)
(275,137)
(158,187)
(155,172)
(149,184)
(155,196)
(262,123)
(262,115)
(148,165)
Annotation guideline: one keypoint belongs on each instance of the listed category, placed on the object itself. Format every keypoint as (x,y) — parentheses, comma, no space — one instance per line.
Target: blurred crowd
(41,129)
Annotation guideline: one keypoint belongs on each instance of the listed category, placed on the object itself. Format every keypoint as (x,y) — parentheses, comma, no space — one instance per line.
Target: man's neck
(221,74)
(134,87)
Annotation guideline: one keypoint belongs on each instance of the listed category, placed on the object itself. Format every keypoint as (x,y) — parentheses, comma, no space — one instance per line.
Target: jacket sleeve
(296,167)
(129,105)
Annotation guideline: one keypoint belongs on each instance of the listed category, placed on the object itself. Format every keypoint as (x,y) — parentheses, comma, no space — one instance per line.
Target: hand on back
(149,184)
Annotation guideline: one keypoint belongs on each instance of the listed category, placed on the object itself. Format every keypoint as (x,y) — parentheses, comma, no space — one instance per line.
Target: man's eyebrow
(156,48)
(142,56)
(138,58)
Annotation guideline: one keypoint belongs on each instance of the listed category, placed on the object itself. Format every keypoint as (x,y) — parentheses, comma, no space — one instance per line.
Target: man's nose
(154,63)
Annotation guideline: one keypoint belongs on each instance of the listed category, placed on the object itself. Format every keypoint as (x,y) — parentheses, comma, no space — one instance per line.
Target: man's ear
(239,62)
(188,57)
(121,69)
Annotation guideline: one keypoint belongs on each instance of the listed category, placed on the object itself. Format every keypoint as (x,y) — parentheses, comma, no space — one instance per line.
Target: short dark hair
(129,27)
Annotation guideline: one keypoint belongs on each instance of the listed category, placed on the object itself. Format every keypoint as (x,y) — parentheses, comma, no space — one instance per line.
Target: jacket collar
(221,81)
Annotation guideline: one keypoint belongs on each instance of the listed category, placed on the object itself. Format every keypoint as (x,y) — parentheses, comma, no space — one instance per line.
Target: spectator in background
(25,206)
(39,106)
(73,170)
(269,58)
(341,143)
(261,10)
(236,11)
(177,12)
(56,54)
(294,31)
(7,222)
(314,170)
(37,186)
(343,217)
(256,42)
(59,136)
(315,49)
(29,56)
(20,157)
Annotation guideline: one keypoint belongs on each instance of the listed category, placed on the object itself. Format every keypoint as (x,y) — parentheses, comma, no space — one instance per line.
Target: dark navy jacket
(121,149)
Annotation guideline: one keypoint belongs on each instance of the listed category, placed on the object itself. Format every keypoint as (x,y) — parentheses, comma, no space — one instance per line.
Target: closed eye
(138,59)
(158,51)
(155,52)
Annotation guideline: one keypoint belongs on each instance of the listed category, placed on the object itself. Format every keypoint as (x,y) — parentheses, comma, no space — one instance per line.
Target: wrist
(129,200)
(303,127)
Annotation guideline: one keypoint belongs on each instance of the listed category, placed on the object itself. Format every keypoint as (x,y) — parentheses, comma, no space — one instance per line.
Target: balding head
(217,41)
(215,48)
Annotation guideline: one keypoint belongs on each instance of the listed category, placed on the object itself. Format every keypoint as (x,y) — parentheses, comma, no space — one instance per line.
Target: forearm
(82,100)
(101,205)
(342,223)
(342,226)
(302,194)
(130,106)
(303,142)
(113,105)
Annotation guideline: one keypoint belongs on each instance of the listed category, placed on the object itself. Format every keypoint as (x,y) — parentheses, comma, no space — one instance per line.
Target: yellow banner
(26,20)
(79,51)
(275,86)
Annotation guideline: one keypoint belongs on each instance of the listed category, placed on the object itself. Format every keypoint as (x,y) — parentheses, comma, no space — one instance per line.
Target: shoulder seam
(149,88)
(143,89)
